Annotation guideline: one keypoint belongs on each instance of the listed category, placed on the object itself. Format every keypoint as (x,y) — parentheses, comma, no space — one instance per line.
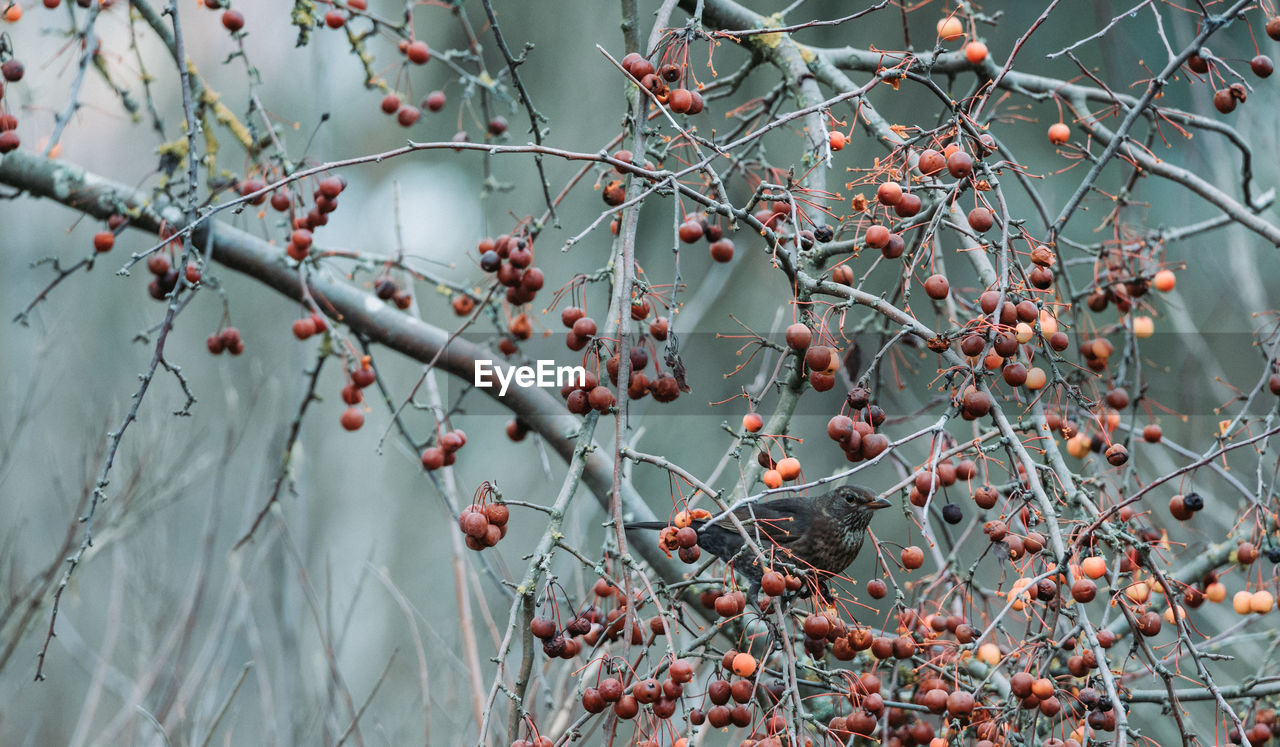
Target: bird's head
(853,505)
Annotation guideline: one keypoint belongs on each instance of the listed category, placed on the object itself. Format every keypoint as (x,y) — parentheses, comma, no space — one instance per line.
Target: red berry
(352,418)
(103,241)
(408,115)
(960,164)
(908,205)
(232,20)
(936,287)
(690,231)
(417,52)
(931,162)
(799,336)
(433,458)
(304,328)
(981,220)
(434,101)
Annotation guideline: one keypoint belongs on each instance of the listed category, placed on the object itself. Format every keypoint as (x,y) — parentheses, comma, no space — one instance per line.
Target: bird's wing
(780,521)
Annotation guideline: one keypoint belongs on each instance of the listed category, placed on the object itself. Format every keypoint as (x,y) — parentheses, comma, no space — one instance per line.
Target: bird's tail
(647,525)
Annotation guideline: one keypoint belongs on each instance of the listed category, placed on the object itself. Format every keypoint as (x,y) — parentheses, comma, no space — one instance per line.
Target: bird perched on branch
(821,533)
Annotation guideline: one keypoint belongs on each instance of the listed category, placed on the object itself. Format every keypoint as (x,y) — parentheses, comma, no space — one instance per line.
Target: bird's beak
(879,503)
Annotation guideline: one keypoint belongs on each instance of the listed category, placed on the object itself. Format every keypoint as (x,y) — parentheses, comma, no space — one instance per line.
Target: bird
(817,533)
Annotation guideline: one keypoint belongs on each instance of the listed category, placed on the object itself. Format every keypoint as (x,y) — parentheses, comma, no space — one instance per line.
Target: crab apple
(352,418)
(819,358)
(789,468)
(981,220)
(12,69)
(1059,133)
(744,665)
(103,241)
(975,52)
(930,162)
(690,231)
(1262,66)
(630,60)
(950,28)
(1223,101)
(798,336)
(752,422)
(722,250)
(418,52)
(892,249)
(959,164)
(876,237)
(614,193)
(907,206)
(680,100)
(888,193)
(1143,326)
(936,287)
(408,115)
(9,141)
(837,139)
(1164,280)
(232,20)
(249,186)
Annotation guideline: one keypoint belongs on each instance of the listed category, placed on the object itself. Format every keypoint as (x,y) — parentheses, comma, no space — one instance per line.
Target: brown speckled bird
(820,533)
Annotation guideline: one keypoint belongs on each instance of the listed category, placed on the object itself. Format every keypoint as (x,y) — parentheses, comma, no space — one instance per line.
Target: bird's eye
(849,496)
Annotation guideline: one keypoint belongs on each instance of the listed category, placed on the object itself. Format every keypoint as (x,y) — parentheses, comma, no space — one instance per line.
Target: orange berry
(975,52)
(1215,592)
(1059,133)
(837,140)
(752,422)
(1242,601)
(1042,688)
(744,665)
(789,468)
(1143,326)
(1094,567)
(1164,281)
(1078,446)
(13,13)
(1261,602)
(950,28)
(771,479)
